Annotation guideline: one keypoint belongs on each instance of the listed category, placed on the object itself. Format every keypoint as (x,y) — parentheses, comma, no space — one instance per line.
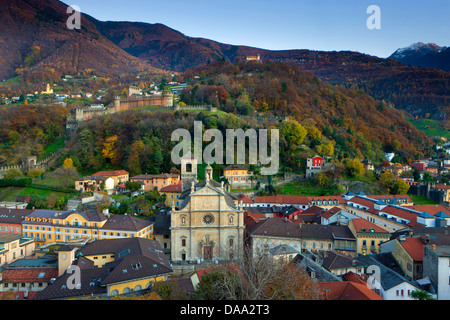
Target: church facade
(208,226)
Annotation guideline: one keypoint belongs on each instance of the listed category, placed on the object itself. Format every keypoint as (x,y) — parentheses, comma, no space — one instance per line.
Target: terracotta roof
(155,176)
(245,198)
(441,186)
(431,208)
(347,290)
(351,276)
(29,274)
(172,188)
(362,225)
(283,199)
(112,173)
(235,167)
(414,247)
(251,218)
(329,213)
(404,213)
(313,209)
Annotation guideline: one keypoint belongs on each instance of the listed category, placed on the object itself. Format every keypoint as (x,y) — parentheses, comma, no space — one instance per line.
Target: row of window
(9,229)
(46,236)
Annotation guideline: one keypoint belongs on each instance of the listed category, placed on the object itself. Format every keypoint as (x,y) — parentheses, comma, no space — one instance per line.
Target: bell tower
(188,171)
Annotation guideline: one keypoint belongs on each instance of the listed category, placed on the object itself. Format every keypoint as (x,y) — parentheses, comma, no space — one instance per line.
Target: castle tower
(188,171)
(116,103)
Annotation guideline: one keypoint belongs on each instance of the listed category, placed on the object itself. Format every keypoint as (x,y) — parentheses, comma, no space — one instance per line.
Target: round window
(208,219)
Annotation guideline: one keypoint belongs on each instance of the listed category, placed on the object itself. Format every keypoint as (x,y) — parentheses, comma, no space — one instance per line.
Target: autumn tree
(12,174)
(109,150)
(353,167)
(68,163)
(392,184)
(258,277)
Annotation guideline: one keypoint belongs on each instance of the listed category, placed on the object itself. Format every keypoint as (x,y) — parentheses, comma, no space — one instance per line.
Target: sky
(328,25)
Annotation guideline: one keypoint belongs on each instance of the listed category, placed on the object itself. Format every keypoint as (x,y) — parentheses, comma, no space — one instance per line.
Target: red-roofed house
(409,255)
(347,290)
(119,176)
(29,279)
(157,181)
(173,193)
(246,200)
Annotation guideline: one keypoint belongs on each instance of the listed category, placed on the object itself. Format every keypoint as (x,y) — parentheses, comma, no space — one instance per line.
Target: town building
(111,267)
(11,220)
(14,246)
(436,262)
(28,276)
(386,280)
(50,226)
(157,181)
(208,226)
(314,165)
(94,183)
(368,236)
(272,232)
(173,194)
(119,176)
(346,290)
(237,175)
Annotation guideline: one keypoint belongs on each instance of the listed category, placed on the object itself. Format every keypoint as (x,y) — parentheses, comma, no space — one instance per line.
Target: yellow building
(49,226)
(173,193)
(157,181)
(109,268)
(368,236)
(236,175)
(119,176)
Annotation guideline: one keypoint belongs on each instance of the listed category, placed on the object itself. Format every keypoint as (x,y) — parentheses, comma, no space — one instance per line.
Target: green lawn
(307,189)
(10,193)
(431,128)
(30,191)
(421,200)
(55,146)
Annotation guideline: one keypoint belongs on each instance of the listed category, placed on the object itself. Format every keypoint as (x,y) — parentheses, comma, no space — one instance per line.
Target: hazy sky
(289,24)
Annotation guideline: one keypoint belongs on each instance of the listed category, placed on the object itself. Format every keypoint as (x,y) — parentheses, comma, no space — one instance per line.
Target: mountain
(36,44)
(359,125)
(424,55)
(415,89)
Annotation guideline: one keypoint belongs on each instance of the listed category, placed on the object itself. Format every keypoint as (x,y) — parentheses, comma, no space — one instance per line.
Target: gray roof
(13,216)
(135,258)
(277,227)
(283,249)
(321,274)
(161,224)
(336,260)
(386,262)
(125,223)
(186,195)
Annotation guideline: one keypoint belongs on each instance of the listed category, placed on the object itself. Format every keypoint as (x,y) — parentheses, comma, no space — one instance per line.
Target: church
(208,226)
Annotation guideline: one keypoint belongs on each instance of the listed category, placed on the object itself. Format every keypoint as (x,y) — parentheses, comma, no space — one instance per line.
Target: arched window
(126,290)
(115,292)
(138,288)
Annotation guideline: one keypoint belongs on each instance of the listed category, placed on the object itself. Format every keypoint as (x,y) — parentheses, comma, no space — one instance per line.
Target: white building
(436,267)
